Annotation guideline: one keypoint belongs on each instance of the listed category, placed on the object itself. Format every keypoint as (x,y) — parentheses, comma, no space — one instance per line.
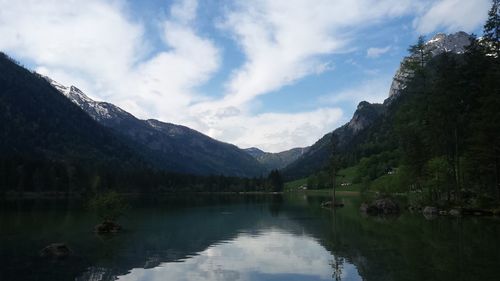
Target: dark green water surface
(245,237)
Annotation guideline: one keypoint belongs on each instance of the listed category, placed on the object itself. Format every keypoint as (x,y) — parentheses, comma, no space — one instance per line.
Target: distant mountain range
(279,160)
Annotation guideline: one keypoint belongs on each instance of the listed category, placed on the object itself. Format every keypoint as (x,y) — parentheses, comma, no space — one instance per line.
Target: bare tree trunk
(457,166)
(334,181)
(497,175)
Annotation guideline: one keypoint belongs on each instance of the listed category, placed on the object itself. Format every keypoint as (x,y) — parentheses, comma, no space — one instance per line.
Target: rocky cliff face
(440,43)
(364,116)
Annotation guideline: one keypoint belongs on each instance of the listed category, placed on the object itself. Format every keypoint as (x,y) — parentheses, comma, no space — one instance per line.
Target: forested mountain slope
(168,146)
(369,115)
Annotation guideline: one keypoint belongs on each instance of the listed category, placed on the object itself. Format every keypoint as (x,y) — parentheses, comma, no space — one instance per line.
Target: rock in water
(429,210)
(364,207)
(56,250)
(328,204)
(455,212)
(108,227)
(384,206)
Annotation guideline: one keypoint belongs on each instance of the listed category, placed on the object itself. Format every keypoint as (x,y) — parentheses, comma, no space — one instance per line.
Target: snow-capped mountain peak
(97,110)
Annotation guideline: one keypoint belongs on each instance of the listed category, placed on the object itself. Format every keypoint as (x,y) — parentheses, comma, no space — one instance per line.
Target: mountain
(171,147)
(272,161)
(440,43)
(317,156)
(254,152)
(367,114)
(37,124)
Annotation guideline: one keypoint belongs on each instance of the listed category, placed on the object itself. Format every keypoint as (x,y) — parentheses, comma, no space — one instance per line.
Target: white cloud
(274,132)
(452,16)
(373,91)
(169,79)
(77,38)
(377,52)
(98,47)
(184,11)
(94,45)
(283,41)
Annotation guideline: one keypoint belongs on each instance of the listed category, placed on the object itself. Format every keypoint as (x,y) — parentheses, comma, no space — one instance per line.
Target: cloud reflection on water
(272,255)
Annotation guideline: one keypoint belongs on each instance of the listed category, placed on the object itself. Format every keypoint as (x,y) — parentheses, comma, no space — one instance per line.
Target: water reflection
(247,238)
(272,255)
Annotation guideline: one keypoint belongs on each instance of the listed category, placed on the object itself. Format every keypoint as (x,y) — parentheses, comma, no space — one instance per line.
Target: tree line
(20,175)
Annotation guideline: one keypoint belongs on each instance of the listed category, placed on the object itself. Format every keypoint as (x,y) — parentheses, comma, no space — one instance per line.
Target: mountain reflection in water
(243,237)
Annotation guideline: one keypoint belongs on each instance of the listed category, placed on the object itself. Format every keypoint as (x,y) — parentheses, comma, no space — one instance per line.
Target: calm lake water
(231,237)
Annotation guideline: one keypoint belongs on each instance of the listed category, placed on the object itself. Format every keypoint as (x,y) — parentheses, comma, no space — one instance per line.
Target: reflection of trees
(403,248)
(338,262)
(407,247)
(338,265)
(275,204)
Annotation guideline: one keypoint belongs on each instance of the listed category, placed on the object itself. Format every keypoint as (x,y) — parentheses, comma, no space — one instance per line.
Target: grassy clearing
(294,185)
(385,183)
(344,176)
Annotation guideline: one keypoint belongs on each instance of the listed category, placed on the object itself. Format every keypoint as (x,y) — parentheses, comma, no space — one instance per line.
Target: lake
(245,237)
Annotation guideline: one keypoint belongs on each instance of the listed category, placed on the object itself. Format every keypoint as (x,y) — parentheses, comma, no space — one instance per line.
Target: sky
(272,74)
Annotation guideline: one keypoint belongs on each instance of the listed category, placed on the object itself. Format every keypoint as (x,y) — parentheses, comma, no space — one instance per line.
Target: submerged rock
(328,204)
(364,207)
(108,227)
(56,250)
(477,212)
(414,209)
(429,210)
(455,212)
(383,206)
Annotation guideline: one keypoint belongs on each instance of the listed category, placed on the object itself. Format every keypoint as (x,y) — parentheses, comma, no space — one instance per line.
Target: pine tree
(483,76)
(419,56)
(334,166)
(491,32)
(275,181)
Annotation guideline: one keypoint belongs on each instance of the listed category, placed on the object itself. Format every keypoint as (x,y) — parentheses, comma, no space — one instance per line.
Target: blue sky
(274,74)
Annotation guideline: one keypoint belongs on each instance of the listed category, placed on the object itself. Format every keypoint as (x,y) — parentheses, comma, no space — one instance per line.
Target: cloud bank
(101,48)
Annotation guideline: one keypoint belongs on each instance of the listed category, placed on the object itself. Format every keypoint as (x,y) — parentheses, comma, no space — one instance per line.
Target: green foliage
(438,178)
(491,33)
(448,126)
(275,181)
(312,182)
(419,56)
(370,168)
(109,206)
(439,139)
(294,185)
(387,184)
(320,180)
